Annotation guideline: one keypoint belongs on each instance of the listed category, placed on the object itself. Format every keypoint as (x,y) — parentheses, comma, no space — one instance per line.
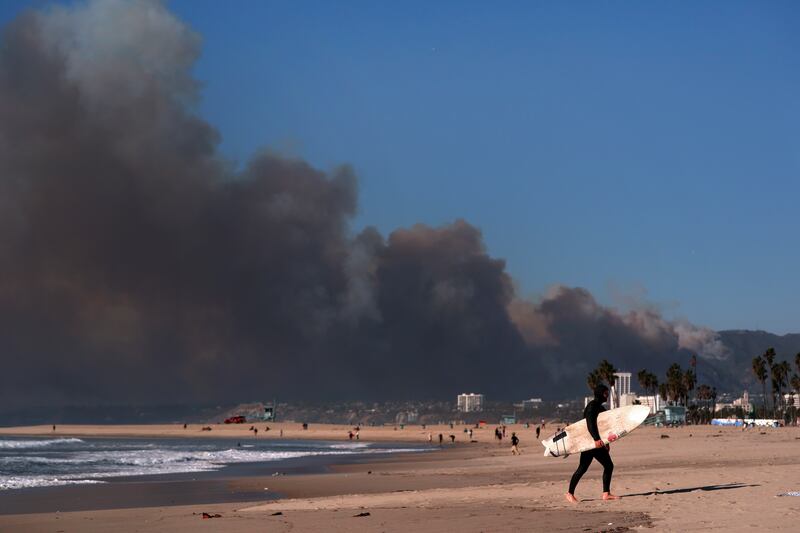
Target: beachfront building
(744,401)
(533,403)
(653,402)
(627,399)
(622,383)
(468,403)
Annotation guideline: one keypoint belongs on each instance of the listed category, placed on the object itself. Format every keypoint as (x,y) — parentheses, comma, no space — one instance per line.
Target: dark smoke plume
(136,265)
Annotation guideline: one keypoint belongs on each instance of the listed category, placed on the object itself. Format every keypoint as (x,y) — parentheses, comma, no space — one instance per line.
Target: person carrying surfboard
(600,452)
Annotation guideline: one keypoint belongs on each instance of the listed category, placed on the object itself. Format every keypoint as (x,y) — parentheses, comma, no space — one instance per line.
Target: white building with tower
(622,390)
(743,401)
(622,382)
(468,403)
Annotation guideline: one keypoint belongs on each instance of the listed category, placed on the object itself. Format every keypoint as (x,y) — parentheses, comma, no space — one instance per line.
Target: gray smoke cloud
(136,265)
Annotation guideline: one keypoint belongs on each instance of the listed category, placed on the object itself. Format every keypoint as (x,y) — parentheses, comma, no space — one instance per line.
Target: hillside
(733,374)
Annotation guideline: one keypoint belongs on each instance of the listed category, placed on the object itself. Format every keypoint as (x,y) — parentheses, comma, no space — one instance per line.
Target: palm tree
(689,381)
(760,372)
(649,382)
(593,379)
(606,371)
(644,379)
(703,393)
(653,379)
(713,401)
(769,357)
(675,385)
(795,383)
(780,375)
(797,361)
(663,391)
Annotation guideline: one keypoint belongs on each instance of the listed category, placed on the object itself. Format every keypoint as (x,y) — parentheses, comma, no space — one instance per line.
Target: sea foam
(39,443)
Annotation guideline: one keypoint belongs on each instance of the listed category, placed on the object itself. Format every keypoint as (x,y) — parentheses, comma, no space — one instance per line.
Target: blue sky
(643,149)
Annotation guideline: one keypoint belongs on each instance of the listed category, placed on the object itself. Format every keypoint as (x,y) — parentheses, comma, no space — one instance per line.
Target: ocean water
(40,462)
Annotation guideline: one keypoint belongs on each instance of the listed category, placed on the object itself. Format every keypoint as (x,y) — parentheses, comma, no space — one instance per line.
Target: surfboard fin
(549,451)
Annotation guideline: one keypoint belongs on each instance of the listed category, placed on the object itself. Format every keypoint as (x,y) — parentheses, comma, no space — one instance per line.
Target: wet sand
(697,479)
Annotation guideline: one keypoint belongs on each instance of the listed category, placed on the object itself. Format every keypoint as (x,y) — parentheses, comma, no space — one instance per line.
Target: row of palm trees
(679,384)
(765,367)
(676,388)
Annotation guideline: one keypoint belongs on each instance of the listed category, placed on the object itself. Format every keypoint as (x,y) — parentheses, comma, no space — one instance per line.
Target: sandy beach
(695,478)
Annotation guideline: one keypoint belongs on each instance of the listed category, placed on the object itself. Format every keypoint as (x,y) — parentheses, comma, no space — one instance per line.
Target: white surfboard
(612,425)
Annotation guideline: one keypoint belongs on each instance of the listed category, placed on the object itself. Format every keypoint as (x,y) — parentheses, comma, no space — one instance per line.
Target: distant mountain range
(733,374)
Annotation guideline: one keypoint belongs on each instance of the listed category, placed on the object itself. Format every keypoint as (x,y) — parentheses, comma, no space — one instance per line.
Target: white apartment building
(622,383)
(471,402)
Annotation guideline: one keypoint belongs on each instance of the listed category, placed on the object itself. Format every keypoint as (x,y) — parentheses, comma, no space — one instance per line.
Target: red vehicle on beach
(239,419)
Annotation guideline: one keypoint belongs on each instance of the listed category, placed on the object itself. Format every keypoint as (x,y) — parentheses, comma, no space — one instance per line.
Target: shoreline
(231,482)
(291,431)
(695,478)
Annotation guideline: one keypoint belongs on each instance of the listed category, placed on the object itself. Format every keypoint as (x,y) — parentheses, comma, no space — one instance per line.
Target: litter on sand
(792,493)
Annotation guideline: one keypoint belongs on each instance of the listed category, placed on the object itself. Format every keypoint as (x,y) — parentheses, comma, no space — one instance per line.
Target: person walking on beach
(600,451)
(441,439)
(538,430)
(514,444)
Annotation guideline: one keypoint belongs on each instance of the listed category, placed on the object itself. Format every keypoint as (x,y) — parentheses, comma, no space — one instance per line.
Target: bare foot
(609,496)
(571,498)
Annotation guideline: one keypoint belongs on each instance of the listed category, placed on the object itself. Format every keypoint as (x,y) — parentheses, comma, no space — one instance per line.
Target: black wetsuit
(593,408)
